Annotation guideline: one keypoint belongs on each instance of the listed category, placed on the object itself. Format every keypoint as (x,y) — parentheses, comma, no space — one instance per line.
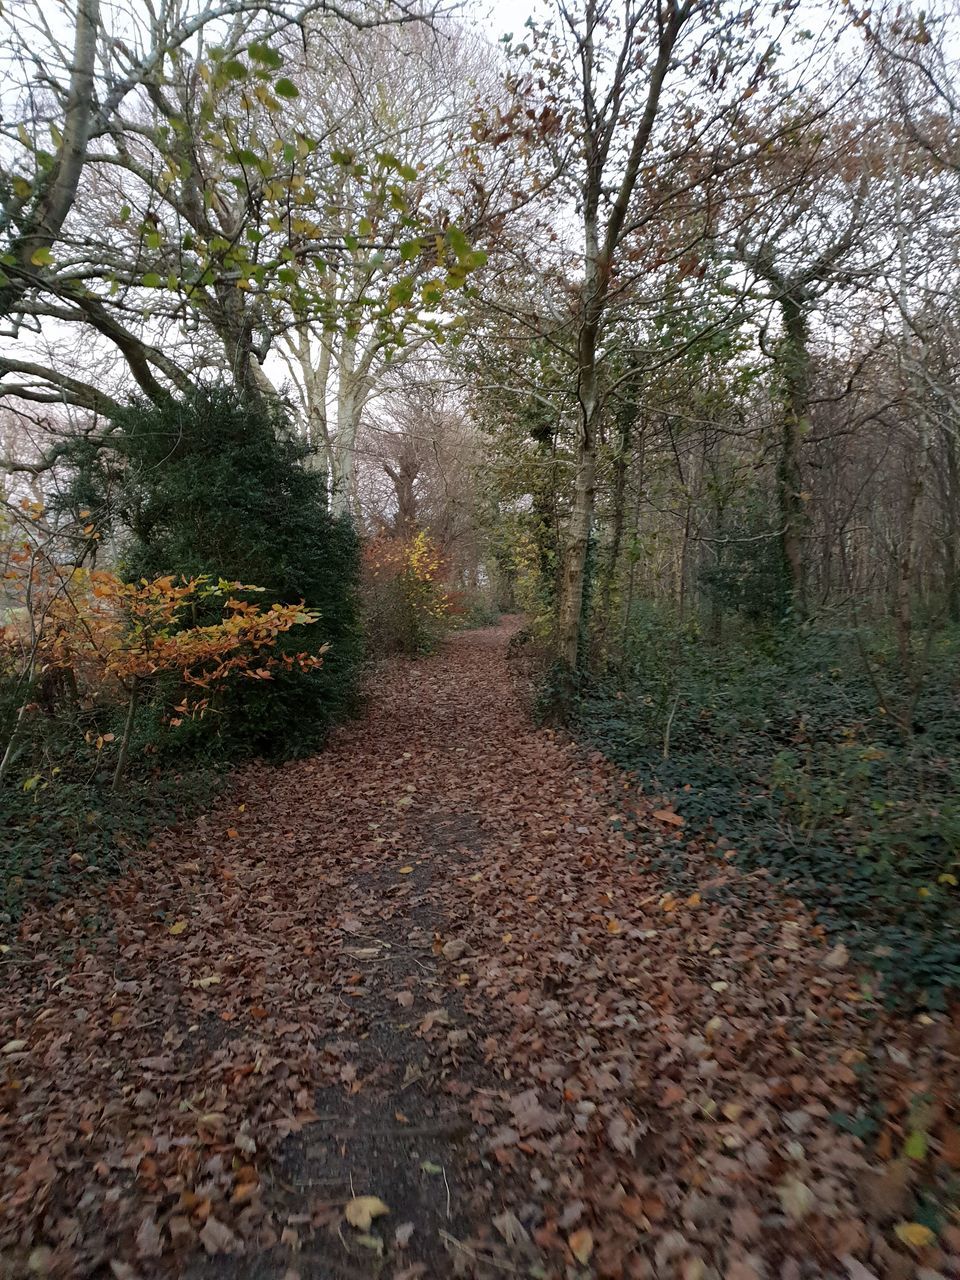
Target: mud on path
(435,965)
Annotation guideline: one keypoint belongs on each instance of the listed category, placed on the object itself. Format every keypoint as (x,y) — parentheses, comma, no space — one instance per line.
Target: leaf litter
(446,933)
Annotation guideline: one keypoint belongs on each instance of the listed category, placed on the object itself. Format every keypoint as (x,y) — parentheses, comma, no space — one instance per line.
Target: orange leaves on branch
(86,636)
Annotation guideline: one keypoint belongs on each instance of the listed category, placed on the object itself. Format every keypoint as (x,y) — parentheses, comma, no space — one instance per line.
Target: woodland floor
(433,965)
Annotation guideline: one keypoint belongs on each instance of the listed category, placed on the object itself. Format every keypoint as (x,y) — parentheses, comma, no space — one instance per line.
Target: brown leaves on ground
(653,1075)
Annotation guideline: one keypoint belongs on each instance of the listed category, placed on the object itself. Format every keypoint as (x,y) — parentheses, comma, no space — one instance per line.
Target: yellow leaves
(581,1245)
(405,871)
(178,927)
(613,926)
(914,1235)
(362,1210)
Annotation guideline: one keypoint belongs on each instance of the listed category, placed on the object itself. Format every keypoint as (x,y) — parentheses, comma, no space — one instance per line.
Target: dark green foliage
(747,575)
(215,484)
(43,828)
(787,755)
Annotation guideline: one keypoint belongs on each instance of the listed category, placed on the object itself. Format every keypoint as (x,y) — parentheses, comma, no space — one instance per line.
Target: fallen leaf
(178,927)
(370,1242)
(217,1238)
(916,1145)
(837,958)
(914,1234)
(511,1228)
(362,1210)
(668,816)
(581,1244)
(796,1198)
(856,1270)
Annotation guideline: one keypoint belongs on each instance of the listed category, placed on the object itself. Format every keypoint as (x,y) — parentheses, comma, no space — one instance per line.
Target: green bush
(215,484)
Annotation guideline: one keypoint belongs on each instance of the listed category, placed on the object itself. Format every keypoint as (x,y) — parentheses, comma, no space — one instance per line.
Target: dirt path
(442,964)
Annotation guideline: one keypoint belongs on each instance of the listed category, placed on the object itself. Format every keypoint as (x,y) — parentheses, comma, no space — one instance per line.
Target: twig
(447,1185)
(667,727)
(476,1256)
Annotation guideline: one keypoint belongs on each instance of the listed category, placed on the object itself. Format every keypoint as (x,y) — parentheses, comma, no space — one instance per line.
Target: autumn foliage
(85,638)
(407,602)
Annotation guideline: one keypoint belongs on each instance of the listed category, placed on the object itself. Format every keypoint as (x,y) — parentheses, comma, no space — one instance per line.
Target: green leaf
(124,212)
(916,1145)
(285,88)
(457,241)
(152,281)
(428,1166)
(400,293)
(266,56)
(234,69)
(473,260)
(41,257)
(409,250)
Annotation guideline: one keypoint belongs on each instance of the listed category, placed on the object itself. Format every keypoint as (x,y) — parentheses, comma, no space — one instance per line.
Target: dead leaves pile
(654,1075)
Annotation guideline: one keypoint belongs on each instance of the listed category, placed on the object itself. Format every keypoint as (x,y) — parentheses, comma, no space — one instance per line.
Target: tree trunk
(575,558)
(953,523)
(127,733)
(628,416)
(794,374)
(907,557)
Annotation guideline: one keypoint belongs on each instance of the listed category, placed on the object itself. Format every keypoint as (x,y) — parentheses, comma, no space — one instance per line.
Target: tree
(175,211)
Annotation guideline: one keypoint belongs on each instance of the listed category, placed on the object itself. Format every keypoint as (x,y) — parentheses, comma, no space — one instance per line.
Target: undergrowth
(780,743)
(63,830)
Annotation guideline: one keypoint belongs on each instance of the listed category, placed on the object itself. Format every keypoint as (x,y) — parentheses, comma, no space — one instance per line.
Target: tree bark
(794,376)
